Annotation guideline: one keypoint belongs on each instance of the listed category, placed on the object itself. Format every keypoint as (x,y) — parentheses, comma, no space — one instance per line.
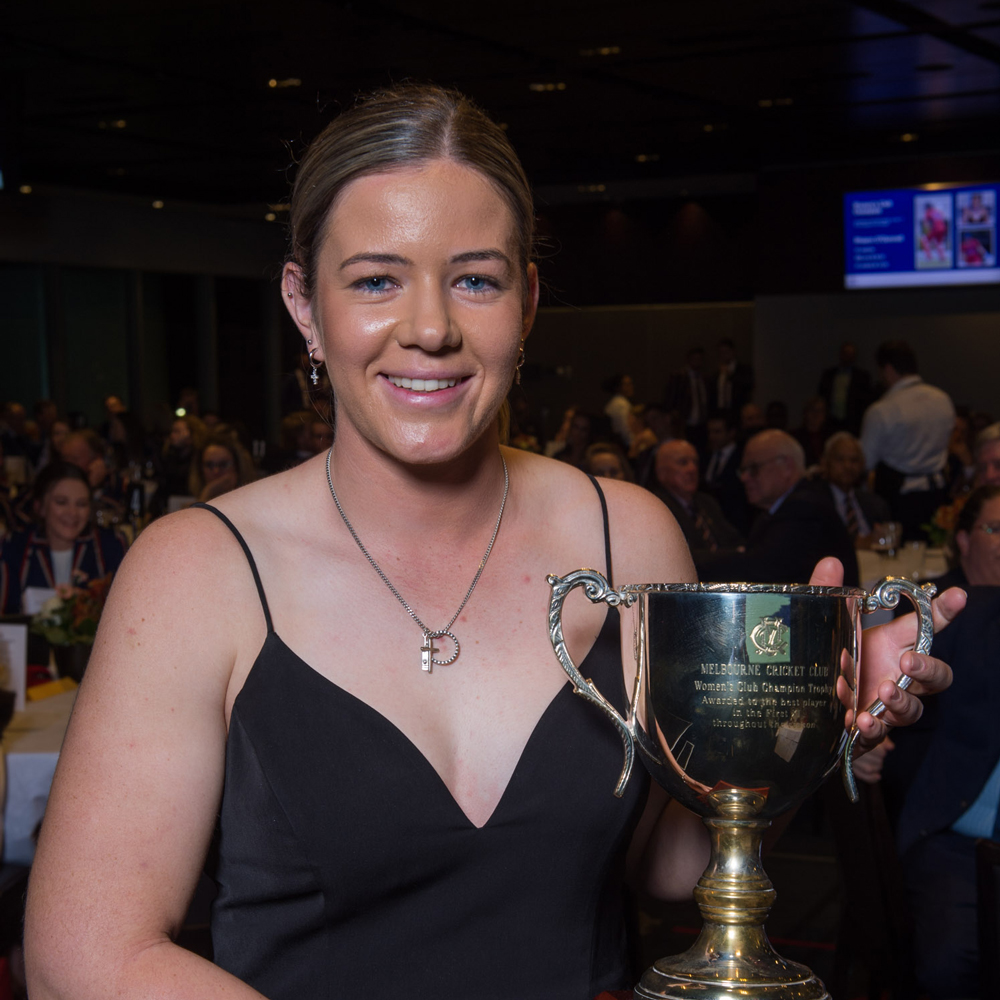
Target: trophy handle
(597,588)
(885,594)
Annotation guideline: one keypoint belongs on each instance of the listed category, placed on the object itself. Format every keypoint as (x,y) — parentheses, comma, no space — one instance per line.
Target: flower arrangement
(942,525)
(71,617)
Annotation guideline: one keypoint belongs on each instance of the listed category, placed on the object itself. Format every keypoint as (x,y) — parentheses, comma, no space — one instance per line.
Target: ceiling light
(909,137)
(603,50)
(591,188)
(765,102)
(25,189)
(647,157)
(270,217)
(782,102)
(281,206)
(157,203)
(708,128)
(292,81)
(119,123)
(543,87)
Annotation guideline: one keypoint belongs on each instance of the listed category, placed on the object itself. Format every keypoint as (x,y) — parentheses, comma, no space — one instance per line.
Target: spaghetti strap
(607,527)
(246,551)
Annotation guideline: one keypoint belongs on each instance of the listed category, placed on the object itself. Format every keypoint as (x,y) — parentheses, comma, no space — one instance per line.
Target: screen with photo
(933,235)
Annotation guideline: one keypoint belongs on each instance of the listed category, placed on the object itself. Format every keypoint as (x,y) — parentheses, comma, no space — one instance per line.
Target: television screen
(933,235)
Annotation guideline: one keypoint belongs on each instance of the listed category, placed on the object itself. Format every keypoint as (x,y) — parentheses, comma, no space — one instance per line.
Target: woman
(221,464)
(455,817)
(63,548)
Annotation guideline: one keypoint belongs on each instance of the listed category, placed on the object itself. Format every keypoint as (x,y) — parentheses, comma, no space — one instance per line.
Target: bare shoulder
(646,543)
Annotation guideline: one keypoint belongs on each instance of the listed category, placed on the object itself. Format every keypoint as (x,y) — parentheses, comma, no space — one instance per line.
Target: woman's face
(419,309)
(60,431)
(64,511)
(980,548)
(607,465)
(216,462)
(180,435)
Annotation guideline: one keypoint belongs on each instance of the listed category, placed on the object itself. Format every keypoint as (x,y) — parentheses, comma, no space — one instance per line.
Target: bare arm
(137,788)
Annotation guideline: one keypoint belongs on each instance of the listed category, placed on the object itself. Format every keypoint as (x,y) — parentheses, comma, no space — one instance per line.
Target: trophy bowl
(734,712)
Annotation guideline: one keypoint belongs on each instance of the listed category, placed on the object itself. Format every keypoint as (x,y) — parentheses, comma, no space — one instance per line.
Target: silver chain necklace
(428,649)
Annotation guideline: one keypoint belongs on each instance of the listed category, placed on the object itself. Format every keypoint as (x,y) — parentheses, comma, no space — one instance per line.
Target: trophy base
(704,972)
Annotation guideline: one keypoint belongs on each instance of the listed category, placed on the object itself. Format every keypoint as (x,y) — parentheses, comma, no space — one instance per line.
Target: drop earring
(520,363)
(314,374)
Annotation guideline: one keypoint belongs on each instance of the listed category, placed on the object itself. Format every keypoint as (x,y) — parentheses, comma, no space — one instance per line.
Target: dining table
(31,745)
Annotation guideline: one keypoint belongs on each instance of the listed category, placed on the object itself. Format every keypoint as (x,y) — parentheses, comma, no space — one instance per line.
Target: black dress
(346,868)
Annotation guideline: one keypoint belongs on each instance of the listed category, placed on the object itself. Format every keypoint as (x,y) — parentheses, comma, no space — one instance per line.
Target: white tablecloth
(31,745)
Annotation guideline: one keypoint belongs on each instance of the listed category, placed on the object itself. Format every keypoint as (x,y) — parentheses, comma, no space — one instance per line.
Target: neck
(381,495)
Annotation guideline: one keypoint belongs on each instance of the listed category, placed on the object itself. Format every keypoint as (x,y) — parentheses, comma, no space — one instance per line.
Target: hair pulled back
(403,126)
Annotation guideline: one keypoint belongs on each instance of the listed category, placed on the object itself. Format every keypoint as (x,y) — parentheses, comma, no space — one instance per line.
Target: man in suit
(733,384)
(847,389)
(722,477)
(688,396)
(796,527)
(842,468)
(703,523)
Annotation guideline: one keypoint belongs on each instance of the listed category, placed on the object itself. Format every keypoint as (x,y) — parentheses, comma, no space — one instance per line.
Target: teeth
(422,384)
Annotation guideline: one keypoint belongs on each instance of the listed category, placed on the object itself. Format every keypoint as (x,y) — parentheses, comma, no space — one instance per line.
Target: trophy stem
(732,956)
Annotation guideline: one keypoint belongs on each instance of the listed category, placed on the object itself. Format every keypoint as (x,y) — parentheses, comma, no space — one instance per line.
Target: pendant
(428,649)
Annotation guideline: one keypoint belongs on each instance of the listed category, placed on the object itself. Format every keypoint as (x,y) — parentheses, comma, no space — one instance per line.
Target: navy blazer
(946,760)
(25,561)
(783,547)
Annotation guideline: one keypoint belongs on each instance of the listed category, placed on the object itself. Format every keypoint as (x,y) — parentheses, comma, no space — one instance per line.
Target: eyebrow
(400,261)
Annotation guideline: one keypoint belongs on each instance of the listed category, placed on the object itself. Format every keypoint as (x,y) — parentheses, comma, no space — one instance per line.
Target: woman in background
(63,547)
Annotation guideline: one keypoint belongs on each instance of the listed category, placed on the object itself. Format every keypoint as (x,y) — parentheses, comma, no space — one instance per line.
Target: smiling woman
(63,548)
(380,829)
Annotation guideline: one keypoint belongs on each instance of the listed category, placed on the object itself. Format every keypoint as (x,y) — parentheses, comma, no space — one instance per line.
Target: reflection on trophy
(734,711)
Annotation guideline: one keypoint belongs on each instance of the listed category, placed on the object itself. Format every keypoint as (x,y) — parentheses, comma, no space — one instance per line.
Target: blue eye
(477,283)
(376,283)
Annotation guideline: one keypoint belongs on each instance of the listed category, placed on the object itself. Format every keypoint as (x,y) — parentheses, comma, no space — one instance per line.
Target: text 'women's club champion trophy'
(735,713)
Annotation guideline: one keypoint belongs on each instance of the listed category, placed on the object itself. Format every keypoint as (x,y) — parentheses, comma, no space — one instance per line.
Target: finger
(902,708)
(828,573)
(930,675)
(947,606)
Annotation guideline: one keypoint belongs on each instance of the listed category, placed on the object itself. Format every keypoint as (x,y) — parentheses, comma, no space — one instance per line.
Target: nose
(429,323)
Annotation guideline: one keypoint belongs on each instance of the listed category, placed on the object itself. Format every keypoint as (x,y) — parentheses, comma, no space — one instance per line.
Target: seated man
(796,526)
(722,477)
(841,469)
(699,516)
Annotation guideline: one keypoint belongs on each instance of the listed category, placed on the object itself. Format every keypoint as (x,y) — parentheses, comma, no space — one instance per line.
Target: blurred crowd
(756,497)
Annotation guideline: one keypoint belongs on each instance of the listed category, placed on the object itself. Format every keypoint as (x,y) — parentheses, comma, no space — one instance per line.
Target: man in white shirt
(905,439)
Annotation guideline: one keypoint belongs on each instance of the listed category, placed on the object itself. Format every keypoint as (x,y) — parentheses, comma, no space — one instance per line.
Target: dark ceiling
(208,100)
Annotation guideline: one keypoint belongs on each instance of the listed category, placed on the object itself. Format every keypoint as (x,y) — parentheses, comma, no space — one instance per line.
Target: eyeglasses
(752,469)
(990,529)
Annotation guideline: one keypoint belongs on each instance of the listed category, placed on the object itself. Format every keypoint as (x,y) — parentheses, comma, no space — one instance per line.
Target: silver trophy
(734,711)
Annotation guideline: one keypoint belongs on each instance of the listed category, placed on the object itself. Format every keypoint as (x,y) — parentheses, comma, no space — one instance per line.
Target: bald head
(773,462)
(677,468)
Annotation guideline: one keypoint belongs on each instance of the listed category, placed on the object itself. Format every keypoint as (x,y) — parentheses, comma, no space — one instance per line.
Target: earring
(289,294)
(520,363)
(314,374)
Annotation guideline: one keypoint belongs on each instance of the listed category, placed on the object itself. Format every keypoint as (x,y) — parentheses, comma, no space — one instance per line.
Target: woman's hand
(887,650)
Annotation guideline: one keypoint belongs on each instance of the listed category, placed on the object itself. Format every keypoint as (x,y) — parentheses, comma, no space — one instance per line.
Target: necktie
(850,515)
(704,531)
(713,467)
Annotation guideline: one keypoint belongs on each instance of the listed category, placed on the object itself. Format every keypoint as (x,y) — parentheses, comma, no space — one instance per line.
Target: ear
(299,307)
(962,541)
(530,302)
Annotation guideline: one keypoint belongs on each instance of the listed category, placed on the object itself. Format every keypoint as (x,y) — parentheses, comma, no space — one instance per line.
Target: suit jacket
(679,395)
(725,535)
(859,394)
(727,490)
(785,546)
(873,506)
(943,763)
(743,383)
